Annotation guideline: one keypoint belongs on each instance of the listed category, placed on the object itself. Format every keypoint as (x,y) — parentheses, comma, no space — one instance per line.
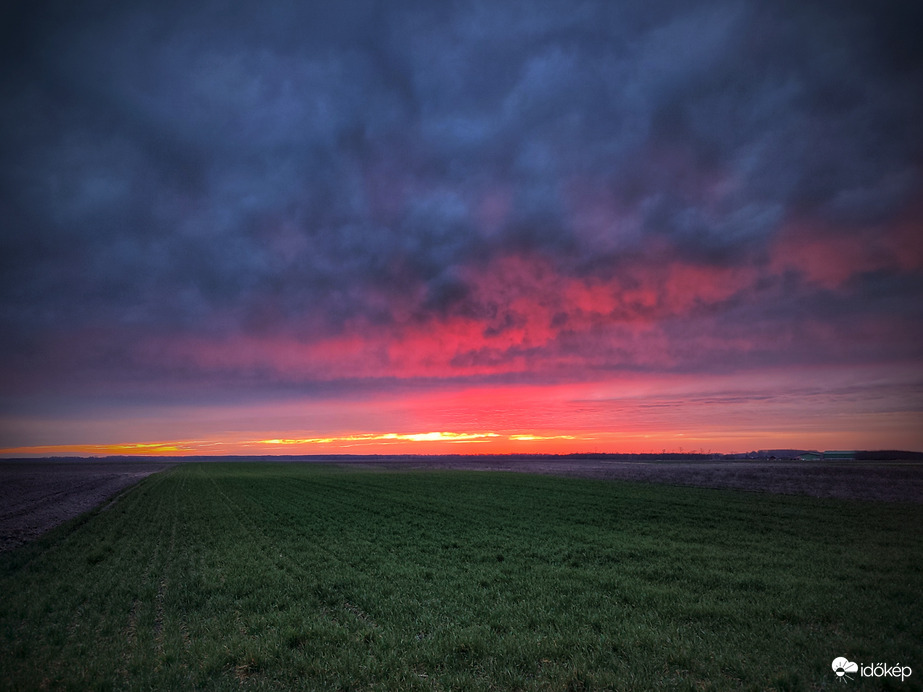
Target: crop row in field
(264,576)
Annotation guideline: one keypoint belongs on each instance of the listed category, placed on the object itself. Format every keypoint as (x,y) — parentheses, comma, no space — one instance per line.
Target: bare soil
(37,495)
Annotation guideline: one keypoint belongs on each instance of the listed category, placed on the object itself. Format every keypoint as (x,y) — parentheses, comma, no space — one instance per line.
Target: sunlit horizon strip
(723,441)
(196,447)
(370,437)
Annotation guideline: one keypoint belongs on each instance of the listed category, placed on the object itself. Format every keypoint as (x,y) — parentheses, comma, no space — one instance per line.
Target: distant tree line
(888,455)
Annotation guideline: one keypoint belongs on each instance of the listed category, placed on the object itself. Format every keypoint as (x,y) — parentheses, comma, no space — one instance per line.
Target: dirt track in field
(37,495)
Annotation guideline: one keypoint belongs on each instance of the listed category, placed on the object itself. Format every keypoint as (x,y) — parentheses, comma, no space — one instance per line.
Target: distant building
(810,456)
(840,455)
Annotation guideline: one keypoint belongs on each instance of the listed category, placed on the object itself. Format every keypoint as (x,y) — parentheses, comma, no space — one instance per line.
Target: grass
(286,576)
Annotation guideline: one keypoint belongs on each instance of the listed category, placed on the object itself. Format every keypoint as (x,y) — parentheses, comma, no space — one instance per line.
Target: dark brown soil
(36,496)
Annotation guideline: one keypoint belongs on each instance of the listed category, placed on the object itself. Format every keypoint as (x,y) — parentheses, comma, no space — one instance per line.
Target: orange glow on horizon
(364,443)
(436,443)
(640,413)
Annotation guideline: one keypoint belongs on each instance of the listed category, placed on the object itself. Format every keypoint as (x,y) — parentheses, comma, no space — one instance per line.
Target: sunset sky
(464,227)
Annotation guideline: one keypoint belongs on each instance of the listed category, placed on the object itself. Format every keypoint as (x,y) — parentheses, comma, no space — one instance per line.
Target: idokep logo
(843,666)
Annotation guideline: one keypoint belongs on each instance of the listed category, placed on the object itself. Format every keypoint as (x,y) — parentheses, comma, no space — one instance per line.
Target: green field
(290,576)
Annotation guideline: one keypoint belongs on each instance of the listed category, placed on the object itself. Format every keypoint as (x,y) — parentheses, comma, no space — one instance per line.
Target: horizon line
(894,454)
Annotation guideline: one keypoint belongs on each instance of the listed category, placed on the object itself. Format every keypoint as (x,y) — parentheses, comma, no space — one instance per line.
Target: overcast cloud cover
(240,198)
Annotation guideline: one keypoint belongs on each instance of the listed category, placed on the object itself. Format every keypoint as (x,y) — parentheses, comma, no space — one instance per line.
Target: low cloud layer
(317,193)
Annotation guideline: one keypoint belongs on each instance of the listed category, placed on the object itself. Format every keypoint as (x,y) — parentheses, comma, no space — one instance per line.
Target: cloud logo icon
(841,666)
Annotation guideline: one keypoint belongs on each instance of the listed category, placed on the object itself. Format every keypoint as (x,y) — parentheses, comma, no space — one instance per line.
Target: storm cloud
(562,187)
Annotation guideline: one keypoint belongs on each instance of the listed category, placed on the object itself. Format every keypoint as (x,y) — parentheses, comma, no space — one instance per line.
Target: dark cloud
(239,169)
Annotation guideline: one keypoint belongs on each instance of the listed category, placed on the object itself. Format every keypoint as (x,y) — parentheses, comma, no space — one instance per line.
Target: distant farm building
(829,455)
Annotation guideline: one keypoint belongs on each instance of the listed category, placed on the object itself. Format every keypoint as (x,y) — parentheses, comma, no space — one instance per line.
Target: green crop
(300,576)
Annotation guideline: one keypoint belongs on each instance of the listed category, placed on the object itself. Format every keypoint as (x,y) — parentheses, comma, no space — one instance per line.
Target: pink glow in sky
(475,227)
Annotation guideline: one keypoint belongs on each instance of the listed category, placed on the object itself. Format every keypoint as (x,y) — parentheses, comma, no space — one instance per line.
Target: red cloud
(521,315)
(829,257)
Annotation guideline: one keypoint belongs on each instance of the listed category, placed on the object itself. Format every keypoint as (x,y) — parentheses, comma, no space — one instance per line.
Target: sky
(460,227)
